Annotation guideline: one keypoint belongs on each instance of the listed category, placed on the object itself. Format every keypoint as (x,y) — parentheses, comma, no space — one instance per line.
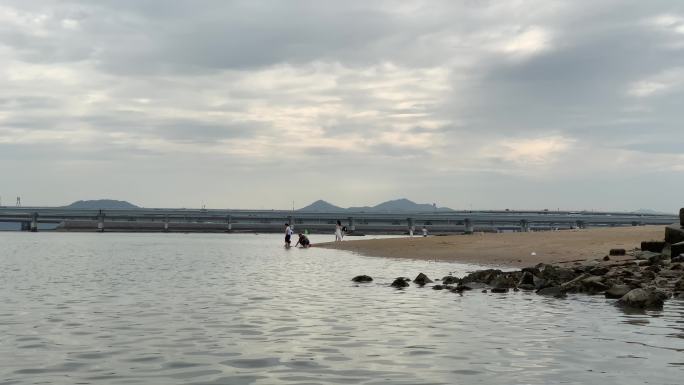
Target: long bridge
(201,220)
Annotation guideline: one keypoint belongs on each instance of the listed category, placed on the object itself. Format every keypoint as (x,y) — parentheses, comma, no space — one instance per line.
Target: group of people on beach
(303,239)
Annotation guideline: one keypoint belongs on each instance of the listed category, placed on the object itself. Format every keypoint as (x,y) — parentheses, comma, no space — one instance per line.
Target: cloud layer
(518,104)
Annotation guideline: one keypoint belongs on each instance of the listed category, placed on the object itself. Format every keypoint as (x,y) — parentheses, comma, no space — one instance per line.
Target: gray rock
(599,270)
(526,279)
(399,282)
(471,286)
(643,299)
(617,291)
(450,280)
(681,217)
(574,284)
(671,273)
(644,255)
(552,291)
(658,259)
(438,287)
(484,276)
(422,279)
(526,286)
(500,290)
(679,285)
(593,285)
(504,281)
(679,258)
(362,278)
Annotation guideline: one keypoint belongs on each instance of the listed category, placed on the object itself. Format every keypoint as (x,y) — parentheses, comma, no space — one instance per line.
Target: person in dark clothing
(303,240)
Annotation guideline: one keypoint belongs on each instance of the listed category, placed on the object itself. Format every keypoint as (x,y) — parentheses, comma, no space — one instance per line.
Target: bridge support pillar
(468,226)
(524,226)
(33,226)
(100,222)
(352,227)
(166,224)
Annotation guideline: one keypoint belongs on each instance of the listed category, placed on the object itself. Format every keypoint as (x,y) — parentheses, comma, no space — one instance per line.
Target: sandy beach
(507,249)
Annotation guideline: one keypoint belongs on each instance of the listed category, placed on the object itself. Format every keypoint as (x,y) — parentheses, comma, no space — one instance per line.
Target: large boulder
(643,299)
(653,246)
(362,278)
(617,291)
(400,282)
(422,279)
(617,252)
(674,234)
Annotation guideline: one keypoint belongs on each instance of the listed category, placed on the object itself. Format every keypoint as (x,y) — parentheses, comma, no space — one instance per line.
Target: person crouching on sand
(303,240)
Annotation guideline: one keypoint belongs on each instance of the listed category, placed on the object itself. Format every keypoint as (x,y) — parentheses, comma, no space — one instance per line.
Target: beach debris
(422,279)
(362,278)
(400,282)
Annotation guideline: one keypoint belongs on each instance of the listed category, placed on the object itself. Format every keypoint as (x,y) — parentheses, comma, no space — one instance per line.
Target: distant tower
(18,201)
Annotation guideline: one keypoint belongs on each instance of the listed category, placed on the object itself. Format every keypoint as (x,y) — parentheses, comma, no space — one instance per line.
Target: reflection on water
(239,309)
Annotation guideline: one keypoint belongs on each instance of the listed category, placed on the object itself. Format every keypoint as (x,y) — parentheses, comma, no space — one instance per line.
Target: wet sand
(507,249)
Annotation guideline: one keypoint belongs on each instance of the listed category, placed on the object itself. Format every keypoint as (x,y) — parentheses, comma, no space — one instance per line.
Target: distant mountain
(651,212)
(393,206)
(321,206)
(101,204)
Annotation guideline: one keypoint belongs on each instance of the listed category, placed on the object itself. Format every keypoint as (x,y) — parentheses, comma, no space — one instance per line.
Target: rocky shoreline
(648,276)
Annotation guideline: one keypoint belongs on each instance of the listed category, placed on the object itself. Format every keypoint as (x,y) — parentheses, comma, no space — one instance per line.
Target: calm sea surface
(240,309)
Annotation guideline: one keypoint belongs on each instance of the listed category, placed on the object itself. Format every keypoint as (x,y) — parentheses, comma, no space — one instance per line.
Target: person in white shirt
(425,231)
(288,235)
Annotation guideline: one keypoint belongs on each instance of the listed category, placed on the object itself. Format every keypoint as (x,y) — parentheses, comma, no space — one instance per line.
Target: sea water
(240,309)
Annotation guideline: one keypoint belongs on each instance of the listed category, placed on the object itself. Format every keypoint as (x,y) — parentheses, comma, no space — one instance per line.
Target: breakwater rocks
(642,278)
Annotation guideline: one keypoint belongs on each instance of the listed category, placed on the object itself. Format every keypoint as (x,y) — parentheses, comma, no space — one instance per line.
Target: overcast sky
(255,104)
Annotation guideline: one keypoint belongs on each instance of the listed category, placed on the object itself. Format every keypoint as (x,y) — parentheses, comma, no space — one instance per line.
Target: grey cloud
(195,74)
